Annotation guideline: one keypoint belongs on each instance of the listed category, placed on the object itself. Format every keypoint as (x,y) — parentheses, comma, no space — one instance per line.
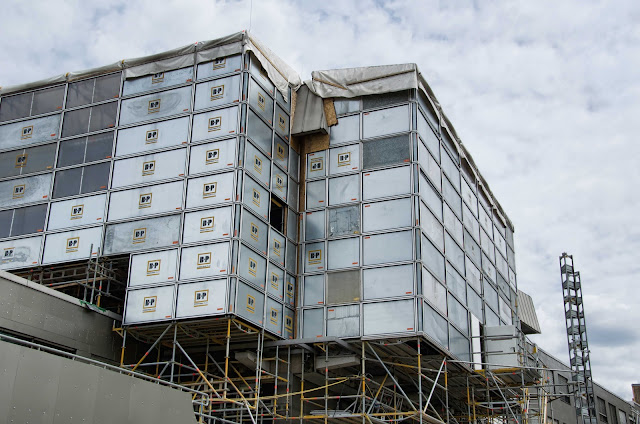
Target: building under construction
(199,236)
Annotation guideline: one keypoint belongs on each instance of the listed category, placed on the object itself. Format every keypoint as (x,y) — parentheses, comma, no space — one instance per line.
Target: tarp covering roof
(280,73)
(354,82)
(527,313)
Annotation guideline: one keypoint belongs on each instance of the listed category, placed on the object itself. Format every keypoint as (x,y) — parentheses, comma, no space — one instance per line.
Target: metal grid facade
(184,170)
(399,236)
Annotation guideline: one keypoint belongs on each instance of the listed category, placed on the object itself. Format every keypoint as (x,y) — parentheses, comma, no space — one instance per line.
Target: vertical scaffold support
(577,341)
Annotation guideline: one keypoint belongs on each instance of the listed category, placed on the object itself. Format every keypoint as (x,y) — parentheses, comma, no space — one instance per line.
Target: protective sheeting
(527,312)
(309,116)
(365,81)
(280,73)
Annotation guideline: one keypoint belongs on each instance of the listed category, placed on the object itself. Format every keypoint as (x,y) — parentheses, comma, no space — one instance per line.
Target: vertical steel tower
(577,341)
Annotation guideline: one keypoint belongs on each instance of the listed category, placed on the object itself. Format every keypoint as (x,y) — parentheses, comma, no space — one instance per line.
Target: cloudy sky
(545,95)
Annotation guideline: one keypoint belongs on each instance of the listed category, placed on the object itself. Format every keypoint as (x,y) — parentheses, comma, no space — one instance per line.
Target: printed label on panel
(139,235)
(152,136)
(212,156)
(207,224)
(251,304)
(145,200)
(204,260)
(72,244)
(21,161)
(148,168)
(154,106)
(215,123)
(217,92)
(201,298)
(209,190)
(27,132)
(157,77)
(149,304)
(153,267)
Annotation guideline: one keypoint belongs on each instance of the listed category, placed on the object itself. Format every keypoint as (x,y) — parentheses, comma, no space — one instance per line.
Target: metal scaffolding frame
(577,341)
(252,377)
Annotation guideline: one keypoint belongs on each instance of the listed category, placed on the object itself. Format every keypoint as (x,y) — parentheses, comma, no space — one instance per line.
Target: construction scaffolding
(577,341)
(252,377)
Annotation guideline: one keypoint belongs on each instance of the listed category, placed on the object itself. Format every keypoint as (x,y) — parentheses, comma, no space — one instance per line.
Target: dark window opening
(278,214)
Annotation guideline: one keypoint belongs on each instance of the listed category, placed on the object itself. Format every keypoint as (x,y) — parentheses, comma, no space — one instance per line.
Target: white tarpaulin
(280,73)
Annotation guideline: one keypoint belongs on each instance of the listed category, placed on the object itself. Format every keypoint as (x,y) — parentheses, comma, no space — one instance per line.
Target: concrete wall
(38,387)
(35,312)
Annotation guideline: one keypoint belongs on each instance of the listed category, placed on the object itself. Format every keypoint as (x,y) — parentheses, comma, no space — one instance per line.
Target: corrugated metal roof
(527,312)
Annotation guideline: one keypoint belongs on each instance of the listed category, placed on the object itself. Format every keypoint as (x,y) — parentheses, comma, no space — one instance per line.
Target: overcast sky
(544,94)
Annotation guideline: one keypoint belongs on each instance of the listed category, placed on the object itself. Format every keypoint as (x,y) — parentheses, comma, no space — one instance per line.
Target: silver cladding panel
(157,81)
(343,321)
(390,247)
(279,183)
(292,257)
(145,234)
(212,156)
(281,124)
(252,267)
(276,247)
(390,281)
(344,189)
(205,261)
(313,323)
(156,105)
(76,212)
(256,198)
(313,293)
(315,223)
(386,215)
(274,316)
(317,164)
(153,268)
(200,299)
(210,190)
(149,168)
(217,92)
(389,317)
(260,74)
(344,220)
(208,224)
(144,201)
(294,190)
(250,303)
(20,253)
(218,123)
(219,66)
(259,132)
(385,121)
(150,304)
(388,182)
(275,282)
(25,133)
(290,291)
(260,101)
(148,137)
(343,253)
(348,129)
(431,226)
(257,164)
(281,153)
(72,245)
(254,232)
(314,257)
(289,318)
(344,159)
(21,191)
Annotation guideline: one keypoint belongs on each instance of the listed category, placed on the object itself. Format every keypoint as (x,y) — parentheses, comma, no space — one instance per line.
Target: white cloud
(544,94)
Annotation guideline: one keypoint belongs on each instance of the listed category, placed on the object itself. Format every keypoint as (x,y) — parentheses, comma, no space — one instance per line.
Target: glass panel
(49,100)
(103,116)
(313,323)
(432,258)
(343,287)
(343,253)
(39,158)
(386,151)
(15,107)
(390,247)
(107,87)
(456,283)
(381,100)
(313,290)
(75,122)
(95,177)
(28,220)
(387,215)
(388,282)
(343,221)
(71,152)
(453,252)
(387,182)
(67,183)
(348,129)
(80,93)
(435,326)
(316,194)
(5,223)
(99,147)
(314,225)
